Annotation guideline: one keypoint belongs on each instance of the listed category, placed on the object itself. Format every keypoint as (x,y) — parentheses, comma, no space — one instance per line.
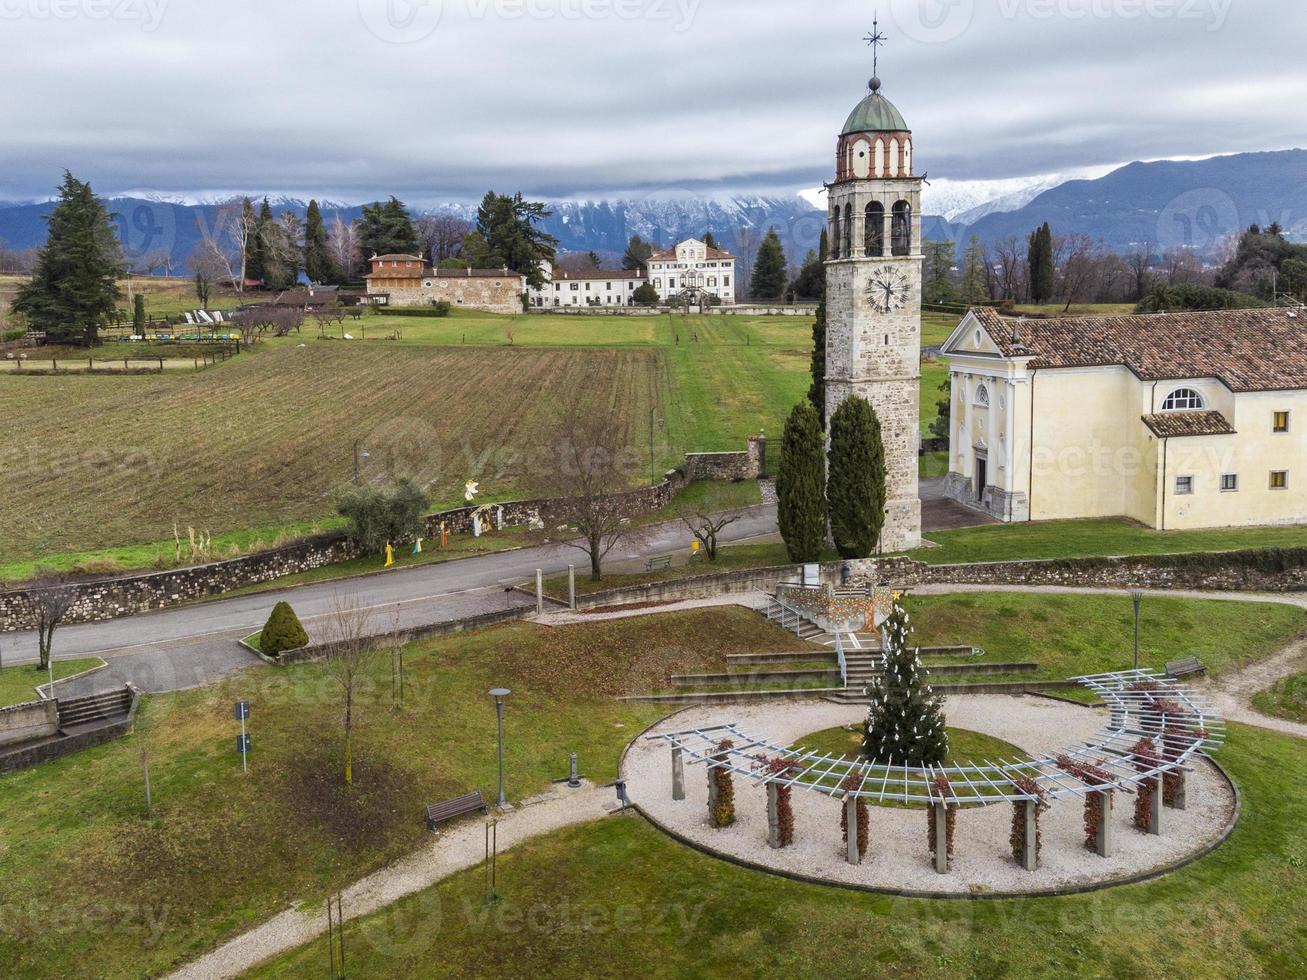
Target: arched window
(848,231)
(875,229)
(880,158)
(835,233)
(1183,400)
(907,157)
(894,158)
(982,396)
(902,229)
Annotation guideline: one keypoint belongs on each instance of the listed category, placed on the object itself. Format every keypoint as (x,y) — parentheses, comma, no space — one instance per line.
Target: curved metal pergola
(1144,707)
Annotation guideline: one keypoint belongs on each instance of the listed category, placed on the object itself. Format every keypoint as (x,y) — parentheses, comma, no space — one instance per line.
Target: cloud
(439,99)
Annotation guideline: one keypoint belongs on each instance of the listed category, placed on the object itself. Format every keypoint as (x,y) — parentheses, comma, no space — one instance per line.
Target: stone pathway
(455,850)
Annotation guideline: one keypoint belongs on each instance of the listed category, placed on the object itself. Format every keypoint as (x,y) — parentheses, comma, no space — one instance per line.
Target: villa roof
(669,255)
(1167,425)
(600,274)
(1247,350)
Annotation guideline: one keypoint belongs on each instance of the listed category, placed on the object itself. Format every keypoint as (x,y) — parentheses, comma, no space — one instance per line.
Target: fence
(115,365)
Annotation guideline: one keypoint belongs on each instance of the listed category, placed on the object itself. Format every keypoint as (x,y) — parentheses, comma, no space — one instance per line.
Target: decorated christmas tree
(905,725)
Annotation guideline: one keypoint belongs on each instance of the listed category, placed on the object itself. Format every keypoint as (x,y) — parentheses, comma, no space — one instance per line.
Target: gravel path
(453,851)
(897,858)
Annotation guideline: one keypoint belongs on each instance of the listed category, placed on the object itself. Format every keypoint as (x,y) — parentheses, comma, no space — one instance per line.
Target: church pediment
(970,338)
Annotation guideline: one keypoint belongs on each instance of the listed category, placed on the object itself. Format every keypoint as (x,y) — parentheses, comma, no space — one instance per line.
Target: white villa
(690,267)
(1180,420)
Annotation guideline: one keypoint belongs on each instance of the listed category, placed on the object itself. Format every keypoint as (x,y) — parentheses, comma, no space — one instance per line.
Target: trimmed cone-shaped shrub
(855,486)
(905,724)
(722,810)
(801,504)
(283,632)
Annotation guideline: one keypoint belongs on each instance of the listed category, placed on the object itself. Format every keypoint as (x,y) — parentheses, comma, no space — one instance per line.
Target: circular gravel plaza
(898,859)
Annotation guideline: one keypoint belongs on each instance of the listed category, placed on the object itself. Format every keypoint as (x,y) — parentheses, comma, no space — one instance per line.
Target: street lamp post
(1137,596)
(499,693)
(360,460)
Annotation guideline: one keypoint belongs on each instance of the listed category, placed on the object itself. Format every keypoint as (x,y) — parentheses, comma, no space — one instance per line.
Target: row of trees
(1048,267)
(843,489)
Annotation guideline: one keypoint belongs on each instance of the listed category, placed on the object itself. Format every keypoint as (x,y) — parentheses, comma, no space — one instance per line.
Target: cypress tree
(1040,259)
(138,315)
(817,390)
(905,724)
(74,287)
(710,239)
(317,256)
(801,510)
(855,488)
(769,269)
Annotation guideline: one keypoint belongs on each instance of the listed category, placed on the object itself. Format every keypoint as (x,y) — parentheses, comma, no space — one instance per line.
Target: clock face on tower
(888,290)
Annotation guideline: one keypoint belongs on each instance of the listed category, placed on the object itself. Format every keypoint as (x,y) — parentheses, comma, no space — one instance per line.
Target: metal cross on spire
(876,38)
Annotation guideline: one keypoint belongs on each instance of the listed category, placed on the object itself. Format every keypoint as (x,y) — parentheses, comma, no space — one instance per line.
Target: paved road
(180,648)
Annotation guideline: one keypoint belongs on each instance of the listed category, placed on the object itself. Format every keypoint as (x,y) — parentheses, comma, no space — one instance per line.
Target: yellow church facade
(1178,421)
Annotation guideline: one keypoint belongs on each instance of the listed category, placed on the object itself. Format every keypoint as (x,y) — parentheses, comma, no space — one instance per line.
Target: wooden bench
(459,806)
(1185,667)
(665,561)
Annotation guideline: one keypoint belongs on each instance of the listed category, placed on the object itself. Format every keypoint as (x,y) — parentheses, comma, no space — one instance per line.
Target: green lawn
(1073,635)
(1088,538)
(933,374)
(963,745)
(226,851)
(616,897)
(18,684)
(936,327)
(1287,699)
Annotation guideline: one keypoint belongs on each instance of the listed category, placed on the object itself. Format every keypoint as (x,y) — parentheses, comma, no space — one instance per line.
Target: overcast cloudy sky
(351,99)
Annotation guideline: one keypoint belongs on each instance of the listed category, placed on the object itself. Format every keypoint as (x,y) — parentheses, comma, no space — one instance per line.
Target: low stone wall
(128,595)
(762,309)
(704,586)
(27,722)
(54,748)
(748,465)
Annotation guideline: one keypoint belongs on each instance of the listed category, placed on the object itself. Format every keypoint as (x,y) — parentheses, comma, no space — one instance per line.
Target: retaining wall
(27,722)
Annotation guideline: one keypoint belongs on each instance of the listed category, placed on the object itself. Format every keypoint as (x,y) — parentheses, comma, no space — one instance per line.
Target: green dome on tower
(875,114)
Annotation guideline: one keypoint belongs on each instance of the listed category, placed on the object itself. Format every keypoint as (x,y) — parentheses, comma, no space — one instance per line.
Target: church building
(873,296)
(1176,420)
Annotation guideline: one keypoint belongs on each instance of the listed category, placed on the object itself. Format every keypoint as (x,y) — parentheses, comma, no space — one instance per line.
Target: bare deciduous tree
(591,471)
(49,598)
(1140,265)
(254,321)
(343,245)
(1078,264)
(351,651)
(707,527)
(1008,260)
(442,236)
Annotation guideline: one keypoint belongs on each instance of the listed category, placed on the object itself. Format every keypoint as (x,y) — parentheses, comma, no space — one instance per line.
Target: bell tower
(873,295)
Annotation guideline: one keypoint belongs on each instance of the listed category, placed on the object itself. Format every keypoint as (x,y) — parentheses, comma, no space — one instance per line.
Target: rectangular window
(1230,483)
(1184,486)
(1280,480)
(1281,422)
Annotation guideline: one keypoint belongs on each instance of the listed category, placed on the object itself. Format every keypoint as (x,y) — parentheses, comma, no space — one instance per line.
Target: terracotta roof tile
(1248,350)
(1166,425)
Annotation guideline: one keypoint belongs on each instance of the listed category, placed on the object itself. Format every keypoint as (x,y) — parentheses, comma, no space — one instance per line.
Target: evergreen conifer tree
(769,270)
(283,631)
(387,229)
(817,390)
(974,288)
(905,724)
(138,314)
(1043,275)
(801,509)
(855,486)
(74,287)
(317,256)
(637,254)
(710,239)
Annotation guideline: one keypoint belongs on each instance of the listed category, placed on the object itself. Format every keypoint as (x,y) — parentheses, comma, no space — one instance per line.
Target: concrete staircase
(76,714)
